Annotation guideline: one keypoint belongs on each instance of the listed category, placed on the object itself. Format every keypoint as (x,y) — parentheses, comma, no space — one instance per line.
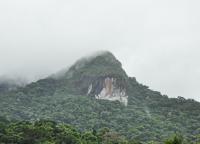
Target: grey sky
(158,42)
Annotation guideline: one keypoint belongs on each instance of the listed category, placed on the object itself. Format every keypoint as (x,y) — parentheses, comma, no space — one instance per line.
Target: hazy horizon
(156,41)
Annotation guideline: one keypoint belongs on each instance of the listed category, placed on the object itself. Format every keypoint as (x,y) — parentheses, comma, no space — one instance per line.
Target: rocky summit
(95,93)
(101,77)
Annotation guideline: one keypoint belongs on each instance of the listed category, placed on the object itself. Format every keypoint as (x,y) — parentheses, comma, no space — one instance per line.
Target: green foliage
(149,116)
(49,132)
(175,139)
(44,132)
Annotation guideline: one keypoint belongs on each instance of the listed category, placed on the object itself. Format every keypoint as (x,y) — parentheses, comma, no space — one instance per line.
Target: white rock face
(110,92)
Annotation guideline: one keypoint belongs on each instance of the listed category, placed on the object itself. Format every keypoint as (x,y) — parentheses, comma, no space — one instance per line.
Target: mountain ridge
(93,94)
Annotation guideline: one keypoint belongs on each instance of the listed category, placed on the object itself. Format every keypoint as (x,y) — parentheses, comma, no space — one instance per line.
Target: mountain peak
(99,58)
(102,63)
(100,76)
(108,58)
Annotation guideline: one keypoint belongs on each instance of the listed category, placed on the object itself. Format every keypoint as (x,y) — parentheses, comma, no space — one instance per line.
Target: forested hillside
(49,132)
(72,98)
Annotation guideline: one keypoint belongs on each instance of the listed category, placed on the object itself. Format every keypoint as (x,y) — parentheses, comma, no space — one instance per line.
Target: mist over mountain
(99,72)
(11,83)
(96,92)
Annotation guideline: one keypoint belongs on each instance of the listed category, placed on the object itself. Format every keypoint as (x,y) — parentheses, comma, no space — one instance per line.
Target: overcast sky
(157,41)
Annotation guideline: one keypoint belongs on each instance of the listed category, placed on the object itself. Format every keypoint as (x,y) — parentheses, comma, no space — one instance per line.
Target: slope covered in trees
(49,132)
(149,115)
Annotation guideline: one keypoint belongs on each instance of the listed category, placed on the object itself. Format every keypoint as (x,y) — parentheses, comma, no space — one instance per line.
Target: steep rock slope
(101,77)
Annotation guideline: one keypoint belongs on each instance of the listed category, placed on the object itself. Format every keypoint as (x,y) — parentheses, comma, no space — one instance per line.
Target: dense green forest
(49,132)
(149,115)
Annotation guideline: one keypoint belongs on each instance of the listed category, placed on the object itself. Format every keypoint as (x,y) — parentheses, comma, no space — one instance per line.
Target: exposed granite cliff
(101,77)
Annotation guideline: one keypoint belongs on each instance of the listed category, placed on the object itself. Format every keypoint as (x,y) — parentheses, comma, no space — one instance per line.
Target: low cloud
(156,41)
